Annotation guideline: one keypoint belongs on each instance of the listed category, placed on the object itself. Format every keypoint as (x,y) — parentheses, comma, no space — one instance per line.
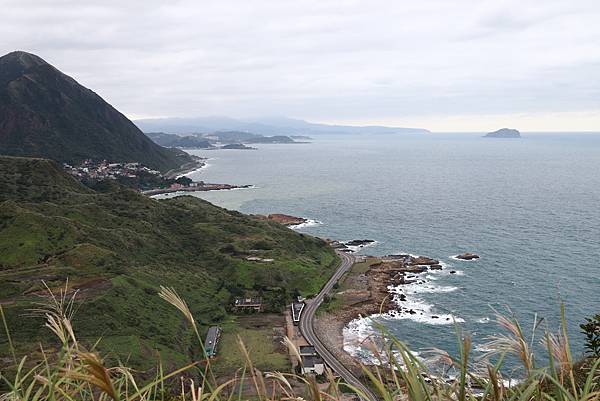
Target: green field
(257,334)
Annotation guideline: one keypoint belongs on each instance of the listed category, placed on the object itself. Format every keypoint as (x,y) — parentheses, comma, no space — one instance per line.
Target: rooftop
(247,301)
(311,361)
(307,350)
(211,336)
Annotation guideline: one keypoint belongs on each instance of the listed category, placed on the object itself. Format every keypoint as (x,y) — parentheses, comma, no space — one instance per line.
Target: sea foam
(356,248)
(307,223)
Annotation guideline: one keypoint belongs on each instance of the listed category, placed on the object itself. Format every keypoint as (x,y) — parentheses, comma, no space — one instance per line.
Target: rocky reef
(370,292)
(467,256)
(351,246)
(285,219)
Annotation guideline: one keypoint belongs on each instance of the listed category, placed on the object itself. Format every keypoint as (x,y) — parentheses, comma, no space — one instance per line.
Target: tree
(183,180)
(591,330)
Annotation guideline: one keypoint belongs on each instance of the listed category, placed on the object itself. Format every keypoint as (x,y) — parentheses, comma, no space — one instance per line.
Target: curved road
(307,329)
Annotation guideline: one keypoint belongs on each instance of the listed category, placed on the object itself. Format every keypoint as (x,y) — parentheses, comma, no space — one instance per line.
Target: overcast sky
(449,65)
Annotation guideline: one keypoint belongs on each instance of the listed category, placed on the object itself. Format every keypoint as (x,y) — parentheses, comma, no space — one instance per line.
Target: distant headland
(504,133)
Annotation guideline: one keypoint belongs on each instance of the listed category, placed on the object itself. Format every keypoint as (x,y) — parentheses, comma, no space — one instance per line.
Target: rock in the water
(424,260)
(286,219)
(435,267)
(416,269)
(467,256)
(359,242)
(504,133)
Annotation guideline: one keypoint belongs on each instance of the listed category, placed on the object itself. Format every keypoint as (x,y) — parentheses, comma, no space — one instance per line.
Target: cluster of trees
(142,181)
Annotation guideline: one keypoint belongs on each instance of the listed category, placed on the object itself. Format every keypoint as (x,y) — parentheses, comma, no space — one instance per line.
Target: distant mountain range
(219,138)
(266,126)
(45,113)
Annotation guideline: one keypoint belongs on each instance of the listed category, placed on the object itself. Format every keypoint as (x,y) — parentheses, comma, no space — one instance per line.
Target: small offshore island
(504,133)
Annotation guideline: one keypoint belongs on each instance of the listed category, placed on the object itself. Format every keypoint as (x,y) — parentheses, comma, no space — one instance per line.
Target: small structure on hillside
(212,340)
(312,363)
(307,350)
(248,304)
(297,308)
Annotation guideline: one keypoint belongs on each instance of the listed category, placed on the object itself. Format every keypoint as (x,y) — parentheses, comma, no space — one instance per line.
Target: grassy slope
(119,247)
(256,332)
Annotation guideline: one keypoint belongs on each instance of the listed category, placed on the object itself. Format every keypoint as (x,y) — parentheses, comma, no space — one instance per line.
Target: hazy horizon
(443,66)
(474,132)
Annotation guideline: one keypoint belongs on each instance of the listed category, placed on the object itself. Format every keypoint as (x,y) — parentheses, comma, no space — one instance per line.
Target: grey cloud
(329,60)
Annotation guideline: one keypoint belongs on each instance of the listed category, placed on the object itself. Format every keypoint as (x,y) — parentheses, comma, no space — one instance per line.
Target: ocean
(529,207)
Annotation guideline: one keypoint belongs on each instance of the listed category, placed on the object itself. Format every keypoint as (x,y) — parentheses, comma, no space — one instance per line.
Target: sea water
(529,207)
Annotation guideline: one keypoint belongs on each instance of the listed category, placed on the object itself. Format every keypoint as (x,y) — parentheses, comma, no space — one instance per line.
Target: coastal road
(307,328)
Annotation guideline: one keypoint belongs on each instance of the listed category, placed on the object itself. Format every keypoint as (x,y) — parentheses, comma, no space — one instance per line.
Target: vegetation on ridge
(117,246)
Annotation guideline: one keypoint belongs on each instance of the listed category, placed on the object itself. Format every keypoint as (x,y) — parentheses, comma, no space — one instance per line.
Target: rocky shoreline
(196,164)
(284,219)
(392,270)
(369,294)
(351,246)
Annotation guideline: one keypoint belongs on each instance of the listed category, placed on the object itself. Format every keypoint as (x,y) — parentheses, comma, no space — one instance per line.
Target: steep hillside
(176,141)
(117,247)
(45,113)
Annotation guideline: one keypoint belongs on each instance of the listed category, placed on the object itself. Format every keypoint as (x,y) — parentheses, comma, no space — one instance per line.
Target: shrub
(591,330)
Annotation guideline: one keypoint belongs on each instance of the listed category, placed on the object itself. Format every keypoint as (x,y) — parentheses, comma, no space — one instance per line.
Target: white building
(313,364)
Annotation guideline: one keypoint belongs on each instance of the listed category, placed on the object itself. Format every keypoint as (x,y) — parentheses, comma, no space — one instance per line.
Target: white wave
(414,308)
(405,253)
(425,288)
(422,312)
(307,223)
(356,248)
(361,338)
(457,272)
(356,334)
(204,166)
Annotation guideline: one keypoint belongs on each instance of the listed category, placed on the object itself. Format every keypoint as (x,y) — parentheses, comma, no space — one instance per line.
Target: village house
(248,304)
(312,363)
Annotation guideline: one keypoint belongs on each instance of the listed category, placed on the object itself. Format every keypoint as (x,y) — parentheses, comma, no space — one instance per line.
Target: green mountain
(117,247)
(177,141)
(45,113)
